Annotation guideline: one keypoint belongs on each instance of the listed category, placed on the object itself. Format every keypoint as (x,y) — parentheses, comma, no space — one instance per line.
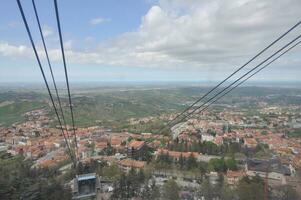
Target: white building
(207,138)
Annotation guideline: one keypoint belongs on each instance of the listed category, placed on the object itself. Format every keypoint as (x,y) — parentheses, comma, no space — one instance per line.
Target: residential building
(233,177)
(135,149)
(272,169)
(128,164)
(250,142)
(207,137)
(175,155)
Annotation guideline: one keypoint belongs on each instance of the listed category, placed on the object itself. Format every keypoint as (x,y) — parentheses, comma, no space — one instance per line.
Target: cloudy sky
(149,40)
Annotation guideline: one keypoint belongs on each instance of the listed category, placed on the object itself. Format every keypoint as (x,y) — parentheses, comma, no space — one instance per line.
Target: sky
(150,40)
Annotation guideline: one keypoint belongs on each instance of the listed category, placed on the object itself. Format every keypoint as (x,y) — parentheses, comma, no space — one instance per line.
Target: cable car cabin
(85,185)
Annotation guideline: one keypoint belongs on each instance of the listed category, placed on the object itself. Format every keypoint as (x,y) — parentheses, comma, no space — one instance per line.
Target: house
(99,146)
(218,140)
(233,177)
(116,142)
(155,144)
(3,147)
(175,155)
(213,178)
(283,151)
(250,142)
(178,128)
(297,162)
(146,135)
(35,152)
(273,169)
(128,164)
(46,163)
(85,152)
(58,143)
(135,148)
(118,139)
(207,138)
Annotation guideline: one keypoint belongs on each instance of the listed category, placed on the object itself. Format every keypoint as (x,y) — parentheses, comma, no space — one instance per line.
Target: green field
(295,133)
(119,106)
(14,112)
(106,108)
(113,106)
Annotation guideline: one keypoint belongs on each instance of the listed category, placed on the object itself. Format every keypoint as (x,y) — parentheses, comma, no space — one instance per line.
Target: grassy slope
(119,106)
(116,106)
(14,112)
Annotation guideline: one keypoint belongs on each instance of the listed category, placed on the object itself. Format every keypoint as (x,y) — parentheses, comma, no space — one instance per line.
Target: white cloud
(47,30)
(14,51)
(68,44)
(183,34)
(98,20)
(198,34)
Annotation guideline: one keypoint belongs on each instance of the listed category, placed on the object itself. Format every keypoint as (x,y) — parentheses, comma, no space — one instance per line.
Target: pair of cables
(61,119)
(286,48)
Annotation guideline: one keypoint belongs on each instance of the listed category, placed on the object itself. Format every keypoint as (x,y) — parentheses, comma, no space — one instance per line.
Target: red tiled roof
(250,141)
(101,144)
(47,163)
(116,141)
(132,163)
(177,154)
(136,144)
(235,174)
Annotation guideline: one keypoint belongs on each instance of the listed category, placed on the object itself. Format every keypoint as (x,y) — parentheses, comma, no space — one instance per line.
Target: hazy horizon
(151,84)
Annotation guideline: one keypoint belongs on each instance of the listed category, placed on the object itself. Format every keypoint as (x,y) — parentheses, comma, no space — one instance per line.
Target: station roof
(83,177)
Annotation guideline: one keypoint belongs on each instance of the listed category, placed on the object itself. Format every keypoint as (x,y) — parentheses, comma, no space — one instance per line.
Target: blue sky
(148,40)
(119,17)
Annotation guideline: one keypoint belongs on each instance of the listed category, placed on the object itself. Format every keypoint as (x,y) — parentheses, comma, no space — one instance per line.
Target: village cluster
(268,132)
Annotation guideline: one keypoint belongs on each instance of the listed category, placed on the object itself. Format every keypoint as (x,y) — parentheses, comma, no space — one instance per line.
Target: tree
(170,190)
(229,128)
(120,188)
(132,183)
(146,192)
(182,161)
(209,148)
(206,190)
(141,176)
(217,165)
(286,192)
(164,158)
(150,192)
(155,192)
(225,128)
(19,181)
(234,147)
(111,172)
(203,166)
(211,132)
(251,188)
(54,191)
(145,155)
(191,162)
(227,193)
(109,150)
(210,191)
(5,190)
(231,164)
(264,132)
(290,193)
